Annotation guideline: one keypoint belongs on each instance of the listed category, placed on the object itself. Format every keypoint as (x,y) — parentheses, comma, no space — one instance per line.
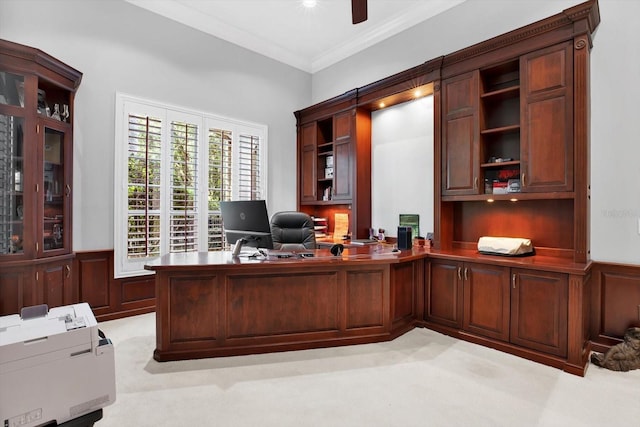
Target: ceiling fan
(358,11)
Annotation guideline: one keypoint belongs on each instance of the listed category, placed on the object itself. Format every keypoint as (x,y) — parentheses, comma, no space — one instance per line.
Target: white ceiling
(308,39)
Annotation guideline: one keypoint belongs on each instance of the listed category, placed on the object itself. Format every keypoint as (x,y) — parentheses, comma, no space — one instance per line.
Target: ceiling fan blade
(358,11)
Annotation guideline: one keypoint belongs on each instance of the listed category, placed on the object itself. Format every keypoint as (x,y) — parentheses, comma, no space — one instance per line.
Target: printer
(55,366)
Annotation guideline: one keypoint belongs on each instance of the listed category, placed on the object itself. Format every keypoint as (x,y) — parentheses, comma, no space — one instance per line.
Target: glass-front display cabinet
(36,148)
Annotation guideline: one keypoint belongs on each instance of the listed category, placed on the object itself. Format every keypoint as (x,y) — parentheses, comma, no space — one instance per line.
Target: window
(172,169)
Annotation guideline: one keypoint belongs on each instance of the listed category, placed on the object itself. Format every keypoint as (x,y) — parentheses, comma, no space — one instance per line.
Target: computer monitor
(246,223)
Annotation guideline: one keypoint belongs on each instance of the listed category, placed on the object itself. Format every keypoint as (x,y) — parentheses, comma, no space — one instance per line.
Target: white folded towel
(505,245)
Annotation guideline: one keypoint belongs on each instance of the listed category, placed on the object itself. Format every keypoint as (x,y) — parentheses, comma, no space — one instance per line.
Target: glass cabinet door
(11,89)
(12,184)
(54,191)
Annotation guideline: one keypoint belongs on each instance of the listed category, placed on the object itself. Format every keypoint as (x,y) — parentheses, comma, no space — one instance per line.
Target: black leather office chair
(291,230)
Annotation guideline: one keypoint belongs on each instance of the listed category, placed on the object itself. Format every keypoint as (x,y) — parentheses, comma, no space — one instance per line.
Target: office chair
(291,230)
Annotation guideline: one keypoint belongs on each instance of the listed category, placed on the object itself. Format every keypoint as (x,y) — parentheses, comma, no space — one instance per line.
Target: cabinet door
(343,172)
(308,163)
(17,290)
(54,281)
(539,310)
(460,133)
(547,119)
(14,200)
(444,302)
(486,300)
(54,189)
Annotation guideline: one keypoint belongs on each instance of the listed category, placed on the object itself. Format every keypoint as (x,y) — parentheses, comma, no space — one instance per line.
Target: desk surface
(225,259)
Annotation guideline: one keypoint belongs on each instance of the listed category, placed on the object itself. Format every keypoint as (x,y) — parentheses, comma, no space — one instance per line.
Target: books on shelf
(326,194)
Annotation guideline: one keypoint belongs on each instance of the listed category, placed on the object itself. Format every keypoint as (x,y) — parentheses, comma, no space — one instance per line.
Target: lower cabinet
(443,303)
(539,310)
(48,283)
(528,308)
(55,283)
(486,300)
(17,290)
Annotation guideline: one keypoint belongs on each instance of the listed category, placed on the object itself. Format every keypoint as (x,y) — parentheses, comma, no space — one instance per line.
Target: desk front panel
(214,311)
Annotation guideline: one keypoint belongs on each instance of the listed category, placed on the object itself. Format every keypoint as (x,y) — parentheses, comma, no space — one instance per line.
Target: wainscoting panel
(615,303)
(108,297)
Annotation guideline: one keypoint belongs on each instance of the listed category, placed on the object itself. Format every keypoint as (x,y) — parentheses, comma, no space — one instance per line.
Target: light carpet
(422,378)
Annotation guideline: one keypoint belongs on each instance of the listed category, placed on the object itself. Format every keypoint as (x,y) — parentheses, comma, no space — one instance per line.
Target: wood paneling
(615,302)
(189,296)
(548,223)
(93,277)
(404,292)
(261,305)
(365,299)
(108,297)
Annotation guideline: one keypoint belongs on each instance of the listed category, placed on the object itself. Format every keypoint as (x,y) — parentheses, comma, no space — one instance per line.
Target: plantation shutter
(183,216)
(220,180)
(143,186)
(249,182)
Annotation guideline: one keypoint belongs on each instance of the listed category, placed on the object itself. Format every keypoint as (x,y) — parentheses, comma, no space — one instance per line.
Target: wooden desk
(210,304)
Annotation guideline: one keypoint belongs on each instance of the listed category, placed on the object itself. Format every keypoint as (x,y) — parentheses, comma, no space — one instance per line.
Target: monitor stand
(238,247)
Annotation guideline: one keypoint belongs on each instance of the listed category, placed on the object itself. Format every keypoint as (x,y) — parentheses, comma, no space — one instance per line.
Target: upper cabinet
(36,177)
(512,138)
(36,115)
(547,119)
(460,148)
(334,163)
(507,128)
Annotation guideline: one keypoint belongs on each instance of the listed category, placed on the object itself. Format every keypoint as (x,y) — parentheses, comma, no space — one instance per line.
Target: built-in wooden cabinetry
(334,162)
(513,305)
(36,159)
(511,159)
(512,154)
(492,130)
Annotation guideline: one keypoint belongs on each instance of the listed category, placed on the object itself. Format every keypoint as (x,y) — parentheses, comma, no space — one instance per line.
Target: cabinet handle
(37,276)
(466,273)
(524,175)
(68,190)
(475,183)
(37,188)
(459,273)
(513,280)
(68,270)
(37,246)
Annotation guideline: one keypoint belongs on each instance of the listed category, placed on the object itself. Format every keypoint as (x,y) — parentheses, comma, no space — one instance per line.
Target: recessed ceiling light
(309,3)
